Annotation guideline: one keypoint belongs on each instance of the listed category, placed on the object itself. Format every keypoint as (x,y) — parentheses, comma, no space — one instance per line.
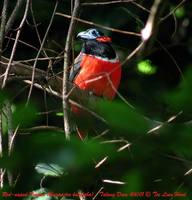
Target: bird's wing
(75,68)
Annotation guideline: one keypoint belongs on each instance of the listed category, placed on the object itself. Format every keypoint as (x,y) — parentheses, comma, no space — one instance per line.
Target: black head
(96,43)
(90,34)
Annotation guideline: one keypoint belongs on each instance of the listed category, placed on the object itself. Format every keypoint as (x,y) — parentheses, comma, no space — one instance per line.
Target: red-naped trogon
(97,68)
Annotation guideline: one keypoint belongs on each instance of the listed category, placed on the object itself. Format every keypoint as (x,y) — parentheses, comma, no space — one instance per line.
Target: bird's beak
(84,35)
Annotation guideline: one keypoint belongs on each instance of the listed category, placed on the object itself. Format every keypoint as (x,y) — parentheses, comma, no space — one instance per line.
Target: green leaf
(134,181)
(24,115)
(59,114)
(121,117)
(3,98)
(180,12)
(50,169)
(181,98)
(146,67)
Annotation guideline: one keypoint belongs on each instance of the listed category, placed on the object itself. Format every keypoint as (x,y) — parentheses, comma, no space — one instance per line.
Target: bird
(97,68)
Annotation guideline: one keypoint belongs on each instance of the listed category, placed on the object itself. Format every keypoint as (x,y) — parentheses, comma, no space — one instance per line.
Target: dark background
(154,162)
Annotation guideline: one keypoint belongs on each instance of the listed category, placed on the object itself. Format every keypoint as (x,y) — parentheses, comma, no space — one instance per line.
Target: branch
(100,26)
(10,134)
(36,29)
(3,22)
(2,34)
(67,126)
(106,3)
(40,49)
(52,84)
(13,15)
(15,44)
(150,30)
(173,11)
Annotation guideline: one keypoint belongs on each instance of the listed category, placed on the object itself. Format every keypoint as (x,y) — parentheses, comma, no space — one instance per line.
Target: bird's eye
(94,33)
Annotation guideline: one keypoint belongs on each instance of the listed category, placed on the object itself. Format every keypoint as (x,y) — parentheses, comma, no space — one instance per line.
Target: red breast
(101,76)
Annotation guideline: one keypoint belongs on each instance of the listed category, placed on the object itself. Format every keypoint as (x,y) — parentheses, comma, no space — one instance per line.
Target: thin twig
(40,128)
(106,3)
(71,101)
(12,139)
(140,6)
(114,182)
(134,52)
(151,22)
(81,195)
(1,136)
(11,136)
(101,162)
(98,192)
(172,118)
(22,42)
(2,34)
(15,44)
(66,120)
(173,59)
(188,172)
(2,173)
(100,26)
(13,15)
(124,147)
(40,49)
(3,23)
(101,134)
(39,59)
(173,11)
(36,30)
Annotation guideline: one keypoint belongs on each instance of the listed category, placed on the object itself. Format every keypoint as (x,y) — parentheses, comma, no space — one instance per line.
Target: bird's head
(93,34)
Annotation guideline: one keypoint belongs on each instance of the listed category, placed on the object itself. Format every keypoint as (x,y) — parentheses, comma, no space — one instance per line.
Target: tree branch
(148,33)
(40,49)
(2,35)
(15,44)
(106,3)
(11,135)
(53,83)
(100,26)
(3,23)
(67,126)
(13,15)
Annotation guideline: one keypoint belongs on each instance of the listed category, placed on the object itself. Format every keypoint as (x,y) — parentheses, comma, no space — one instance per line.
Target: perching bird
(97,68)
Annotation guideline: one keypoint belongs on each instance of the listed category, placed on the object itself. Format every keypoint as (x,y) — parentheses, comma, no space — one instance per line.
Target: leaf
(24,115)
(134,181)
(50,169)
(3,98)
(180,12)
(59,114)
(146,67)
(121,117)
(181,98)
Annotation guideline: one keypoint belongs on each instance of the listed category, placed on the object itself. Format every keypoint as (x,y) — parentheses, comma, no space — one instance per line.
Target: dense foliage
(147,147)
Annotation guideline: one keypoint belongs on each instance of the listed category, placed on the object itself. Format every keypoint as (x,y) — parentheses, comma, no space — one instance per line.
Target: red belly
(99,76)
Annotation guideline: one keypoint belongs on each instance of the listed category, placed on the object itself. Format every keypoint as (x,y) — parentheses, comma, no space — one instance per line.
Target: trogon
(97,67)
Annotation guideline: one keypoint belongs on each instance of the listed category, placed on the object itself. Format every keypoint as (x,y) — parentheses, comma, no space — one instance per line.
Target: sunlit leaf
(146,67)
(59,114)
(180,12)
(50,169)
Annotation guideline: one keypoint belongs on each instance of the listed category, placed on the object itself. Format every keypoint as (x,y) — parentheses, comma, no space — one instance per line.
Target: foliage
(147,145)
